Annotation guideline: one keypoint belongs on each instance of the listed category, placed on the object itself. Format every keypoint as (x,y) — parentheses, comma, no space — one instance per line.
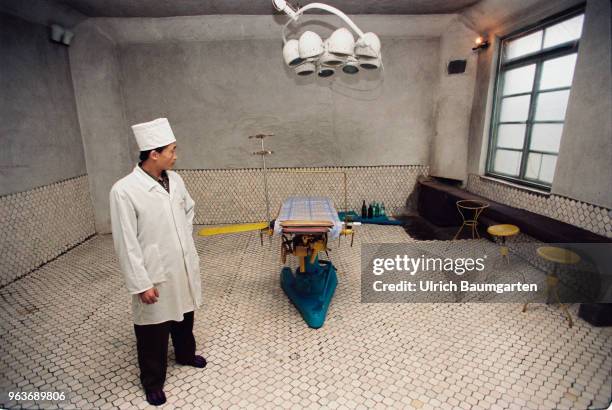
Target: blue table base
(311,292)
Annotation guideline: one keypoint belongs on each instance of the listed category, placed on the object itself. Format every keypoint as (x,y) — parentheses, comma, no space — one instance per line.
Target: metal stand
(476,207)
(312,286)
(264,152)
(557,256)
(552,283)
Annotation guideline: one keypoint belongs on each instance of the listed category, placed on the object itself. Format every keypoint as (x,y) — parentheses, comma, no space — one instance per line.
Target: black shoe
(156,397)
(198,361)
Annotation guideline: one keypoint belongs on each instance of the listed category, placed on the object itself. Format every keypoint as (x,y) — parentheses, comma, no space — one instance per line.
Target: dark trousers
(152,345)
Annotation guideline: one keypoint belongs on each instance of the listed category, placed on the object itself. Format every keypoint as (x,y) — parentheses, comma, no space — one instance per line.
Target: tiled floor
(67,327)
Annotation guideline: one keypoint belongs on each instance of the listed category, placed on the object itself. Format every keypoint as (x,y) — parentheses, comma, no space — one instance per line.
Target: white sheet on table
(307,208)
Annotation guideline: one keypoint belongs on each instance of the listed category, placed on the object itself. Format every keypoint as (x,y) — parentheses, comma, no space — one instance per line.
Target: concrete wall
(584,165)
(453,104)
(480,118)
(217,93)
(224,79)
(221,78)
(41,142)
(232,83)
(585,156)
(105,133)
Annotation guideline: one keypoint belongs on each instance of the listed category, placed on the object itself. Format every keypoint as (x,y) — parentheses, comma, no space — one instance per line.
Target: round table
(470,210)
(558,256)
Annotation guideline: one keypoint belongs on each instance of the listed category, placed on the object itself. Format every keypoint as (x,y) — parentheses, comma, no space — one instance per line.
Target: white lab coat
(153,238)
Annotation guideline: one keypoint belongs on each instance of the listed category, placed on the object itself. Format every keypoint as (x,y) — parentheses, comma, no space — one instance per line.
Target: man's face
(167,158)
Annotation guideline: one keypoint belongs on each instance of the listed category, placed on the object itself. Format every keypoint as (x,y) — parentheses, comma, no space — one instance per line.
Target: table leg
(504,250)
(459,231)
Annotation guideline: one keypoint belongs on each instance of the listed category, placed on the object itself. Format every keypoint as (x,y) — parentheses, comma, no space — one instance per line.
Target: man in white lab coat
(152,222)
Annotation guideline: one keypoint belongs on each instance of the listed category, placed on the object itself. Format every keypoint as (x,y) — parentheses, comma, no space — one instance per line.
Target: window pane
(514,108)
(546,137)
(511,136)
(547,172)
(541,167)
(534,161)
(519,80)
(563,32)
(507,162)
(551,106)
(524,45)
(558,72)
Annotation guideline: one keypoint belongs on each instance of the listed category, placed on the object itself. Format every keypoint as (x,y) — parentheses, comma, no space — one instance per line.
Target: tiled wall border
(42,223)
(583,215)
(237,195)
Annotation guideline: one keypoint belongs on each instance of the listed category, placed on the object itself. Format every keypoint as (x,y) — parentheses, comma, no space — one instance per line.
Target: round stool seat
(503,230)
(558,255)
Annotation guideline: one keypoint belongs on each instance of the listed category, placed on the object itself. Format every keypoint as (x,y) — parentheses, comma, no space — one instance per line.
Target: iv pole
(263,154)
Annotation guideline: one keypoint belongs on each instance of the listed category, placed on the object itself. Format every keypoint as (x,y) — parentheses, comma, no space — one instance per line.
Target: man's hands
(149,296)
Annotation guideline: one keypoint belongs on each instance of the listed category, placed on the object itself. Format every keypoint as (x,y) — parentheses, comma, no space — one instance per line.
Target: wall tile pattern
(237,195)
(583,215)
(39,224)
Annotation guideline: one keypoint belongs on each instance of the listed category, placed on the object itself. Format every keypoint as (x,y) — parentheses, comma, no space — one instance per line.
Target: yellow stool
(347,230)
(470,210)
(558,256)
(503,231)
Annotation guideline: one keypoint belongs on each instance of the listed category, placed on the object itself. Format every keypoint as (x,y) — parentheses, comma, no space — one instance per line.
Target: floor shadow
(421,229)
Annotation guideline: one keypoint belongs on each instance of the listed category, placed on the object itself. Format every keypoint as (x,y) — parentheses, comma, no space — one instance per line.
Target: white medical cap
(153,134)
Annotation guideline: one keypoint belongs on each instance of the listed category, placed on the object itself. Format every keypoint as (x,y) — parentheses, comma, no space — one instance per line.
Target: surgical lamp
(310,54)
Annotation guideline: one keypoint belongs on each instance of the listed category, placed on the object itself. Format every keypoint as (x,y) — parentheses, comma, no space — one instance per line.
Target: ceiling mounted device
(311,54)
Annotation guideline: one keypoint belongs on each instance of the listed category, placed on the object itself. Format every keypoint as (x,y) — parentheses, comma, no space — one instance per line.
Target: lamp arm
(327,8)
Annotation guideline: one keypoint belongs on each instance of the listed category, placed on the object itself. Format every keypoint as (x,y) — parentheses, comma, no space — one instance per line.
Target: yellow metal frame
(218,230)
(473,222)
(308,246)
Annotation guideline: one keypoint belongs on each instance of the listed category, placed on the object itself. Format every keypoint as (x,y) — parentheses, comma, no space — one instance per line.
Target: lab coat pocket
(178,208)
(154,265)
(179,201)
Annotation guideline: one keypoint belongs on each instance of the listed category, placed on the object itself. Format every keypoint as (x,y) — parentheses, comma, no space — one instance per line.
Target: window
(533,84)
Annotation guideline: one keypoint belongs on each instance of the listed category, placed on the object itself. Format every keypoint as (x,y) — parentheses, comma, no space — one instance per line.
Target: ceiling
(169,8)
